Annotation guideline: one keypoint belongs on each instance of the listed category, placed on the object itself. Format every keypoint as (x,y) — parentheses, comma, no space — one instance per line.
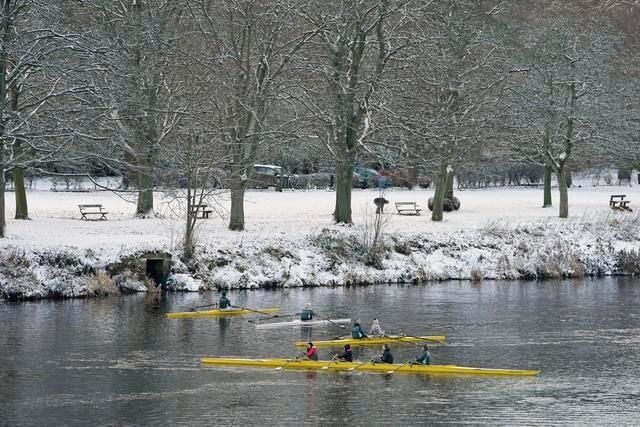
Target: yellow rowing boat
(374,340)
(366,366)
(220,312)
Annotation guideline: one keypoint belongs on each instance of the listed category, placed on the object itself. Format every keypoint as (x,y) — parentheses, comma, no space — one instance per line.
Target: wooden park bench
(90,211)
(618,202)
(408,208)
(201,211)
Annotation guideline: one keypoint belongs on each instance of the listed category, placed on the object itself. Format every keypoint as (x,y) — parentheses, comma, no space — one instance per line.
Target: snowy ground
(294,220)
(55,215)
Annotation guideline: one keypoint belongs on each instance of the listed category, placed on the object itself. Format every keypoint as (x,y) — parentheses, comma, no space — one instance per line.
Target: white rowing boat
(298,322)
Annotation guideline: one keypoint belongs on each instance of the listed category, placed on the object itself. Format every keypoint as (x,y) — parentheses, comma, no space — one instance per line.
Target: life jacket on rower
(312,352)
(307,313)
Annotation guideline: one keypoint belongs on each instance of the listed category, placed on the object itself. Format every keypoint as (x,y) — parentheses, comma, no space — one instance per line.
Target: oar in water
(330,321)
(395,369)
(279,368)
(251,309)
(333,359)
(361,364)
(272,316)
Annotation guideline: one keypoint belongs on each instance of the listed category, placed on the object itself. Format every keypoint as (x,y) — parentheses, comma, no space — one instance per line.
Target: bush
(101,284)
(402,247)
(17,258)
(476,274)
(628,262)
(313,180)
(339,248)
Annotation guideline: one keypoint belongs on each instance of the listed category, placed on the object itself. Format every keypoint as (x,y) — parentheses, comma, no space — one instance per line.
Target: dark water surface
(119,361)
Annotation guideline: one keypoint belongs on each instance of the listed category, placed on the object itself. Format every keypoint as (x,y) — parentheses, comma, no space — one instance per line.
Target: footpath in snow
(290,240)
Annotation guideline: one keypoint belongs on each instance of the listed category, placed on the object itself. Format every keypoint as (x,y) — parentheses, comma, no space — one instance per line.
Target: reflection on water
(121,361)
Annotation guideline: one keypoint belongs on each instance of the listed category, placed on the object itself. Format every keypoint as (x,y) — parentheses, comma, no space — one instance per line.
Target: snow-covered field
(289,236)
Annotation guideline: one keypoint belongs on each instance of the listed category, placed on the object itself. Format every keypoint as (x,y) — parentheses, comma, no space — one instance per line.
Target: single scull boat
(367,367)
(298,322)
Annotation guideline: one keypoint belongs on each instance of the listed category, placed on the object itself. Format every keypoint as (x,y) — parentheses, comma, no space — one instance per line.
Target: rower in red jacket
(312,352)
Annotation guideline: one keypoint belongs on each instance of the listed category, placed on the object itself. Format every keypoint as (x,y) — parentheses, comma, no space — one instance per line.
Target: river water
(119,361)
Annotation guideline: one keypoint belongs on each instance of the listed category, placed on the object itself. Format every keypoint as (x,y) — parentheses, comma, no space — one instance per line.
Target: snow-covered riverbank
(290,241)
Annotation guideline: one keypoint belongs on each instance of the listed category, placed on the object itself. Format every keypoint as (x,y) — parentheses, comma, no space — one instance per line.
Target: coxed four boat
(374,340)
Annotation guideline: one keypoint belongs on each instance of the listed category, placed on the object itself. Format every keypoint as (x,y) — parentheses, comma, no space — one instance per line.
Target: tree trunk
(22,210)
(547,187)
(236,220)
(3,222)
(412,178)
(145,195)
(438,197)
(344,179)
(189,248)
(412,170)
(448,194)
(564,194)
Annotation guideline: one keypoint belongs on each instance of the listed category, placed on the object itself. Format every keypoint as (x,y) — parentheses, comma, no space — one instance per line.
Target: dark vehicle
(265,176)
(370,178)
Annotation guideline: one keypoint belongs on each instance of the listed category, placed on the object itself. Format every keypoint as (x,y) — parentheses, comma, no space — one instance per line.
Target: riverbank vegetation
(592,245)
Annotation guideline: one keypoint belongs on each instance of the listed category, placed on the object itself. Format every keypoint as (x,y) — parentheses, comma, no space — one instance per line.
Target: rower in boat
(376,330)
(224,303)
(347,354)
(423,358)
(312,352)
(356,330)
(386,356)
(307,313)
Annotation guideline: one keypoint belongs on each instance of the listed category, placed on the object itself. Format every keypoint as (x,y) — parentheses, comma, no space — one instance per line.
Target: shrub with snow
(183,282)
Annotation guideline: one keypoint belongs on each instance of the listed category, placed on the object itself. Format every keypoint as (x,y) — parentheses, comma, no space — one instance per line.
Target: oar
(361,364)
(405,363)
(330,321)
(401,336)
(333,359)
(279,368)
(202,306)
(251,309)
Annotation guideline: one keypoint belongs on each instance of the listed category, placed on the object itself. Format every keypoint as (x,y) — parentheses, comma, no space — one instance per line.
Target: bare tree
(41,91)
(556,91)
(140,41)
(344,81)
(451,92)
(247,45)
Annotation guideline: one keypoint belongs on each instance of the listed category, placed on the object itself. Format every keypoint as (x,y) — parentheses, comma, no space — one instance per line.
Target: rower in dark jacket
(356,330)
(307,313)
(347,354)
(386,356)
(224,302)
